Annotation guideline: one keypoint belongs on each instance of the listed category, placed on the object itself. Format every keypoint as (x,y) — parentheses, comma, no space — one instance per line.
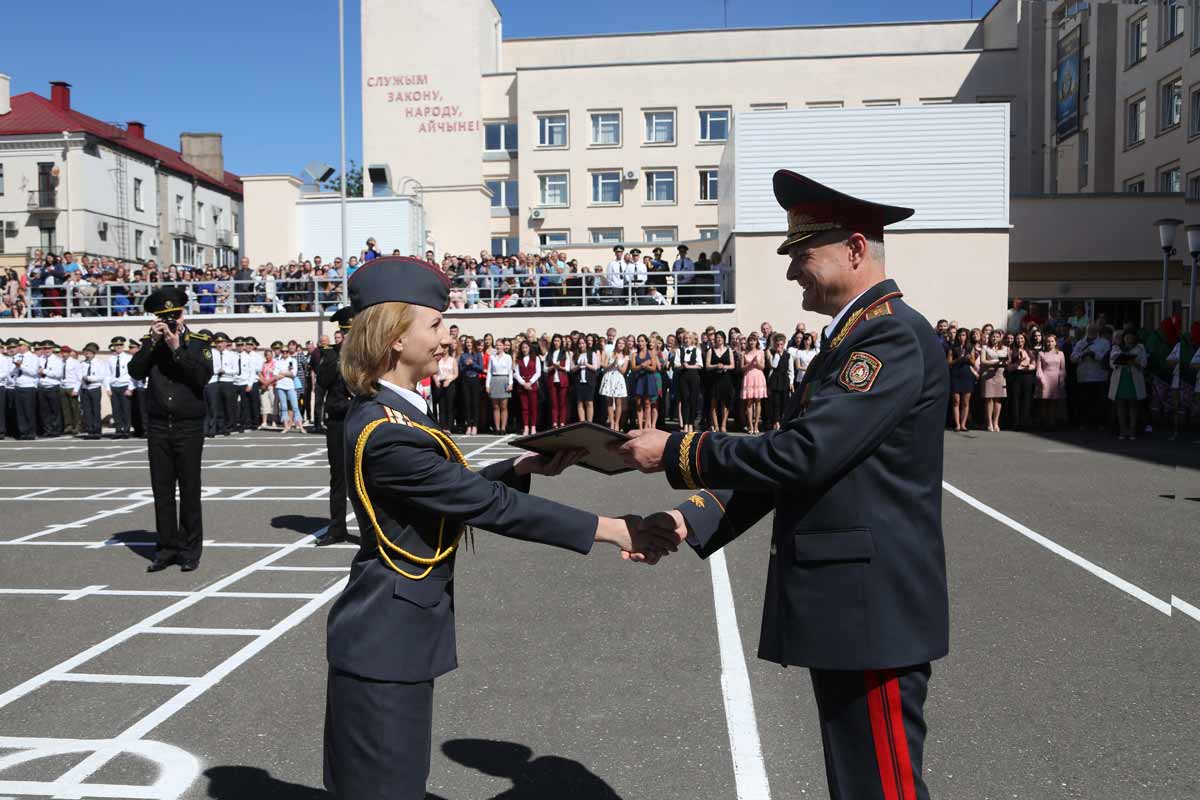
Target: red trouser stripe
(908,790)
(881,735)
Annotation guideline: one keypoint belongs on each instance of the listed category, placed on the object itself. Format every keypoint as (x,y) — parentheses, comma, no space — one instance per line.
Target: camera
(172,325)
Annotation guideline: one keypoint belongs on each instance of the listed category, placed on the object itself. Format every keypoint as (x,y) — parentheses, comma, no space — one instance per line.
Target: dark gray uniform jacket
(857,575)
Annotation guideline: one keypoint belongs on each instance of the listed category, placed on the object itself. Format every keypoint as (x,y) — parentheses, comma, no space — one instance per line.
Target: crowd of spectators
(69,286)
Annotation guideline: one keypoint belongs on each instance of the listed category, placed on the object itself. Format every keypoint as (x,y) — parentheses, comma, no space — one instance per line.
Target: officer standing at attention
(178,364)
(138,406)
(51,374)
(337,396)
(225,363)
(7,368)
(25,380)
(856,586)
(120,387)
(391,631)
(93,374)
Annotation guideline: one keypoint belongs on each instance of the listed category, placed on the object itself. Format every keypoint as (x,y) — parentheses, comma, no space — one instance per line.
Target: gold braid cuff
(685,460)
(451,452)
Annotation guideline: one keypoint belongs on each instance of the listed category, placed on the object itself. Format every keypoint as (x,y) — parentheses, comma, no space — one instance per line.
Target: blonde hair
(367,352)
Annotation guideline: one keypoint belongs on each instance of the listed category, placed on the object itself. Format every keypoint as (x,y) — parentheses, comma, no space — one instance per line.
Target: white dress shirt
(7,371)
(26,373)
(407,394)
(614,274)
(55,370)
(118,365)
(231,371)
(72,375)
(537,369)
(93,374)
(282,365)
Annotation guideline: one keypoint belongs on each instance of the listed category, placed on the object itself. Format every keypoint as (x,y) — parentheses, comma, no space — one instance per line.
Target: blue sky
(274,96)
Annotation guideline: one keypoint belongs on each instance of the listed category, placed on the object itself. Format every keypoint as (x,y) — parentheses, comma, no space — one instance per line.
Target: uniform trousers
(175,447)
(335,439)
(122,407)
(873,732)
(228,398)
(89,401)
(378,736)
(25,399)
(212,406)
(689,396)
(140,419)
(4,398)
(529,405)
(70,406)
(318,404)
(50,411)
(560,407)
(247,414)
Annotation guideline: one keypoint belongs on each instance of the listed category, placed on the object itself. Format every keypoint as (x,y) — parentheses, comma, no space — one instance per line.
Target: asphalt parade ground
(1074,567)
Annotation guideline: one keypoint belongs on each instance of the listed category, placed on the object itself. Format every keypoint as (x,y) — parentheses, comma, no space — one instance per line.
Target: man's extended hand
(636,543)
(643,451)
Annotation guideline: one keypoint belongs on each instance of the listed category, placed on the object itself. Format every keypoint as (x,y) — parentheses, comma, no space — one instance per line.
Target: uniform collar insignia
(397,403)
(882,291)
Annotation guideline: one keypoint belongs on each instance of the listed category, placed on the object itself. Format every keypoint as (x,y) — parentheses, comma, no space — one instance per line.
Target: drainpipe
(67,186)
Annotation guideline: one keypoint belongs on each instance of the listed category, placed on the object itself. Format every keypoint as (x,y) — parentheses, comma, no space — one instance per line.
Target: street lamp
(1166,239)
(1193,238)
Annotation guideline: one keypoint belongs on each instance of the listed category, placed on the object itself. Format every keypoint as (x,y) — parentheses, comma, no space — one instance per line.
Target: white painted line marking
(83,522)
(1054,547)
(38,493)
(749,771)
(319,494)
(267,595)
(176,768)
(206,631)
(84,592)
(148,680)
(1186,608)
(305,569)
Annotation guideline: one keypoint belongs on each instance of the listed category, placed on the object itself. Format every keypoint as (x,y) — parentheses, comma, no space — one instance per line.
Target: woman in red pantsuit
(527,372)
(558,381)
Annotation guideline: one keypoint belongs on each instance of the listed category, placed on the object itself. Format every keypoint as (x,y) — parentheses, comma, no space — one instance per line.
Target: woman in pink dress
(754,383)
(1052,381)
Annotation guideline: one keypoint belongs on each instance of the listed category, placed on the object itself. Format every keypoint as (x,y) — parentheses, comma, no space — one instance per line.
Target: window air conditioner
(631,175)
(535,213)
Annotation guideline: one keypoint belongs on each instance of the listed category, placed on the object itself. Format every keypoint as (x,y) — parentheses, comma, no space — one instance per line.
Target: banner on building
(1066,86)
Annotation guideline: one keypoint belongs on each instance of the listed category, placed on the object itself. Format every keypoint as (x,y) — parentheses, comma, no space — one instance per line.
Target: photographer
(178,364)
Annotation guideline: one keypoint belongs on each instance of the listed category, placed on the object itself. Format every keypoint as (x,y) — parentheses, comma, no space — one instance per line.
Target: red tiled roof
(32,113)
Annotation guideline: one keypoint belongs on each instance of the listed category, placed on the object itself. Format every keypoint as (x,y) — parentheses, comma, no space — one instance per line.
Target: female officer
(391,632)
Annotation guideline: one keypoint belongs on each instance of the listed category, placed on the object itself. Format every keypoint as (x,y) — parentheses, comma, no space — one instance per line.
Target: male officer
(225,364)
(7,368)
(856,587)
(138,406)
(51,374)
(120,387)
(212,390)
(70,391)
(26,366)
(337,403)
(178,364)
(93,374)
(240,400)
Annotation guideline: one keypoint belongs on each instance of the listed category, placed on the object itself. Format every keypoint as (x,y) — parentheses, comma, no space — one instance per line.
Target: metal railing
(591,290)
(183,227)
(108,297)
(224,237)
(43,200)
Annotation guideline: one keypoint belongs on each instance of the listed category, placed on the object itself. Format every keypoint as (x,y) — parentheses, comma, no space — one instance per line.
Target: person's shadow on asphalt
(541,778)
(252,783)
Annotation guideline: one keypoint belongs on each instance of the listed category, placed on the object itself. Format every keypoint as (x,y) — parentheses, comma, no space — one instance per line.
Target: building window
(1138,40)
(1170,180)
(1135,185)
(185,252)
(825,104)
(660,186)
(1193,186)
(137,194)
(880,103)
(1135,127)
(1083,158)
(553,189)
(660,235)
(1194,113)
(607,235)
(768,106)
(660,127)
(1085,84)
(1170,104)
(714,124)
(554,238)
(500,137)
(505,245)
(606,188)
(504,194)
(552,130)
(1172,20)
(137,245)
(200,215)
(179,207)
(708,184)
(606,128)
(708,233)
(1,180)
(1195,4)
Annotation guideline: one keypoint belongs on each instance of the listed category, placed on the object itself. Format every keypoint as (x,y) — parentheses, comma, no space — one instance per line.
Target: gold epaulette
(450,451)
(199,336)
(880,308)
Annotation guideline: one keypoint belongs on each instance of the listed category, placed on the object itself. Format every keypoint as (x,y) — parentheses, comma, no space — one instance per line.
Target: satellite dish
(318,171)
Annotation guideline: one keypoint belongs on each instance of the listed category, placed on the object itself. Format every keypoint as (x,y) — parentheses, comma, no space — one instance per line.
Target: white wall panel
(390,220)
(950,163)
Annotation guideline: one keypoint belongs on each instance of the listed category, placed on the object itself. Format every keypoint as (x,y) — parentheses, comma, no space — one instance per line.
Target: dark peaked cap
(342,317)
(166,301)
(814,208)
(399,279)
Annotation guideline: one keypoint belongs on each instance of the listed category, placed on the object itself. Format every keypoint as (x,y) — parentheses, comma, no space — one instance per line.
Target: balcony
(184,228)
(224,238)
(30,252)
(43,200)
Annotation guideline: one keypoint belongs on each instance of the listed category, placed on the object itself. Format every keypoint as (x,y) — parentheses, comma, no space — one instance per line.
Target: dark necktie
(118,359)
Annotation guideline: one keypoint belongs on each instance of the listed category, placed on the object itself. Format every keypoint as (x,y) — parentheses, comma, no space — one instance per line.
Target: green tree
(354,182)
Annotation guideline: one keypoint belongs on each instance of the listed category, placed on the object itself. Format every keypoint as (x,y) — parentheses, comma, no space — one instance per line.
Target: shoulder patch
(881,310)
(199,336)
(208,354)
(860,372)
